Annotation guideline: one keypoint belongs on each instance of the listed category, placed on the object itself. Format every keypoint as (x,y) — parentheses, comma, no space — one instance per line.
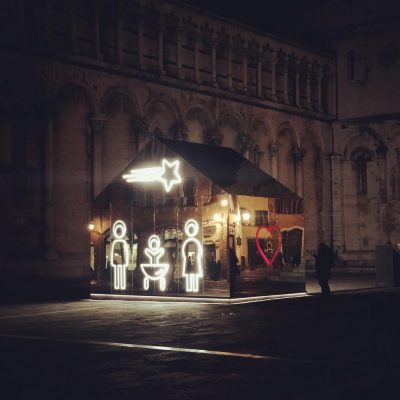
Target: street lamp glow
(224,202)
(246,216)
(91,226)
(217,217)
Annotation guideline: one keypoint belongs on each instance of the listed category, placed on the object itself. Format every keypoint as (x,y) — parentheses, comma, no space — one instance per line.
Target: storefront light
(246,217)
(217,217)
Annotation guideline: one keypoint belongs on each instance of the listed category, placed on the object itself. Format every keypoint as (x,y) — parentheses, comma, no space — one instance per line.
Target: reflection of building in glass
(214,208)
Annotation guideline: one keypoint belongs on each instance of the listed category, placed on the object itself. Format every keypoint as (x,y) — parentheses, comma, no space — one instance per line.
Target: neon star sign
(168,174)
(154,270)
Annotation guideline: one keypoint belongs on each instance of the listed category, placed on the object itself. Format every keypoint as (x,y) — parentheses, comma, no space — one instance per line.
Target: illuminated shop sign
(168,174)
(269,254)
(154,270)
(192,256)
(119,255)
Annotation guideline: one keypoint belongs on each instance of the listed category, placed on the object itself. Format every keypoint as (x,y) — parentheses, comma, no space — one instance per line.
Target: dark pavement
(346,347)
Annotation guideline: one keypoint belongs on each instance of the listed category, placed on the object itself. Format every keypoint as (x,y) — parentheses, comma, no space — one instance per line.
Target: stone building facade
(364,35)
(85,84)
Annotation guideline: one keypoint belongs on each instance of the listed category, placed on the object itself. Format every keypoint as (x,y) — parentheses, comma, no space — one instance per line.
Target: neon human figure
(192,255)
(119,250)
(154,270)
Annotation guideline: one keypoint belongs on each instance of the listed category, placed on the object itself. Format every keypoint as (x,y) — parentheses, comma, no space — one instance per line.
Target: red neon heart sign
(270,229)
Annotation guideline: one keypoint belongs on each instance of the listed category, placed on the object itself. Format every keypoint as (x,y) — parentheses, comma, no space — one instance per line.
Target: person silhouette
(324,261)
(119,255)
(192,254)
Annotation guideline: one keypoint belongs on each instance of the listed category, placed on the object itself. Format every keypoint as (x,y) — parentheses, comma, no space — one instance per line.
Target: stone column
(214,137)
(259,73)
(245,145)
(97,35)
(298,155)
(161,28)
(140,128)
(308,85)
(180,131)
(273,152)
(229,62)
(179,39)
(329,92)
(140,39)
(319,89)
(244,66)
(285,79)
(274,61)
(197,42)
(337,206)
(74,44)
(214,42)
(97,124)
(297,83)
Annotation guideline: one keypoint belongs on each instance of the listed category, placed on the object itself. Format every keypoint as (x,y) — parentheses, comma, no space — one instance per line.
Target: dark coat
(324,261)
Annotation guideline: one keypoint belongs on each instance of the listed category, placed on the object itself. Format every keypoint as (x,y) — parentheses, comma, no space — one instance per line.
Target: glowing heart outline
(269,229)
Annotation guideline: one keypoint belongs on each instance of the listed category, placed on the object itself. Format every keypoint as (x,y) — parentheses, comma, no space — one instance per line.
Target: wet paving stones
(342,348)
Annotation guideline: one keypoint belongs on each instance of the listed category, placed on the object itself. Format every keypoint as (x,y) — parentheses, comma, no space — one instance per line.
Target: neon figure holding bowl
(192,256)
(154,270)
(120,253)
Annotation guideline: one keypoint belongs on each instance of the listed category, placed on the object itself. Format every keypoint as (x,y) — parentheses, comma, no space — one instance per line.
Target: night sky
(297,20)
(265,15)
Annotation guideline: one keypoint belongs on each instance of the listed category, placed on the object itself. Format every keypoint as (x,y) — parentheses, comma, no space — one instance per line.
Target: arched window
(360,158)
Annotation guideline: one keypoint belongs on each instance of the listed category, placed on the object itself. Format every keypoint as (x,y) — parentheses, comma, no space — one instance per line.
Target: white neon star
(166,167)
(161,174)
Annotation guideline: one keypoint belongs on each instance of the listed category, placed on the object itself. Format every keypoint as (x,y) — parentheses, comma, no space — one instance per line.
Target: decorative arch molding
(208,107)
(76,92)
(313,137)
(261,119)
(366,138)
(203,117)
(131,106)
(287,127)
(234,119)
(200,113)
(166,101)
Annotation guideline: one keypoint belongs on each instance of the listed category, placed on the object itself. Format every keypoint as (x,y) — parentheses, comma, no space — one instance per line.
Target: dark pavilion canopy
(229,170)
(222,165)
